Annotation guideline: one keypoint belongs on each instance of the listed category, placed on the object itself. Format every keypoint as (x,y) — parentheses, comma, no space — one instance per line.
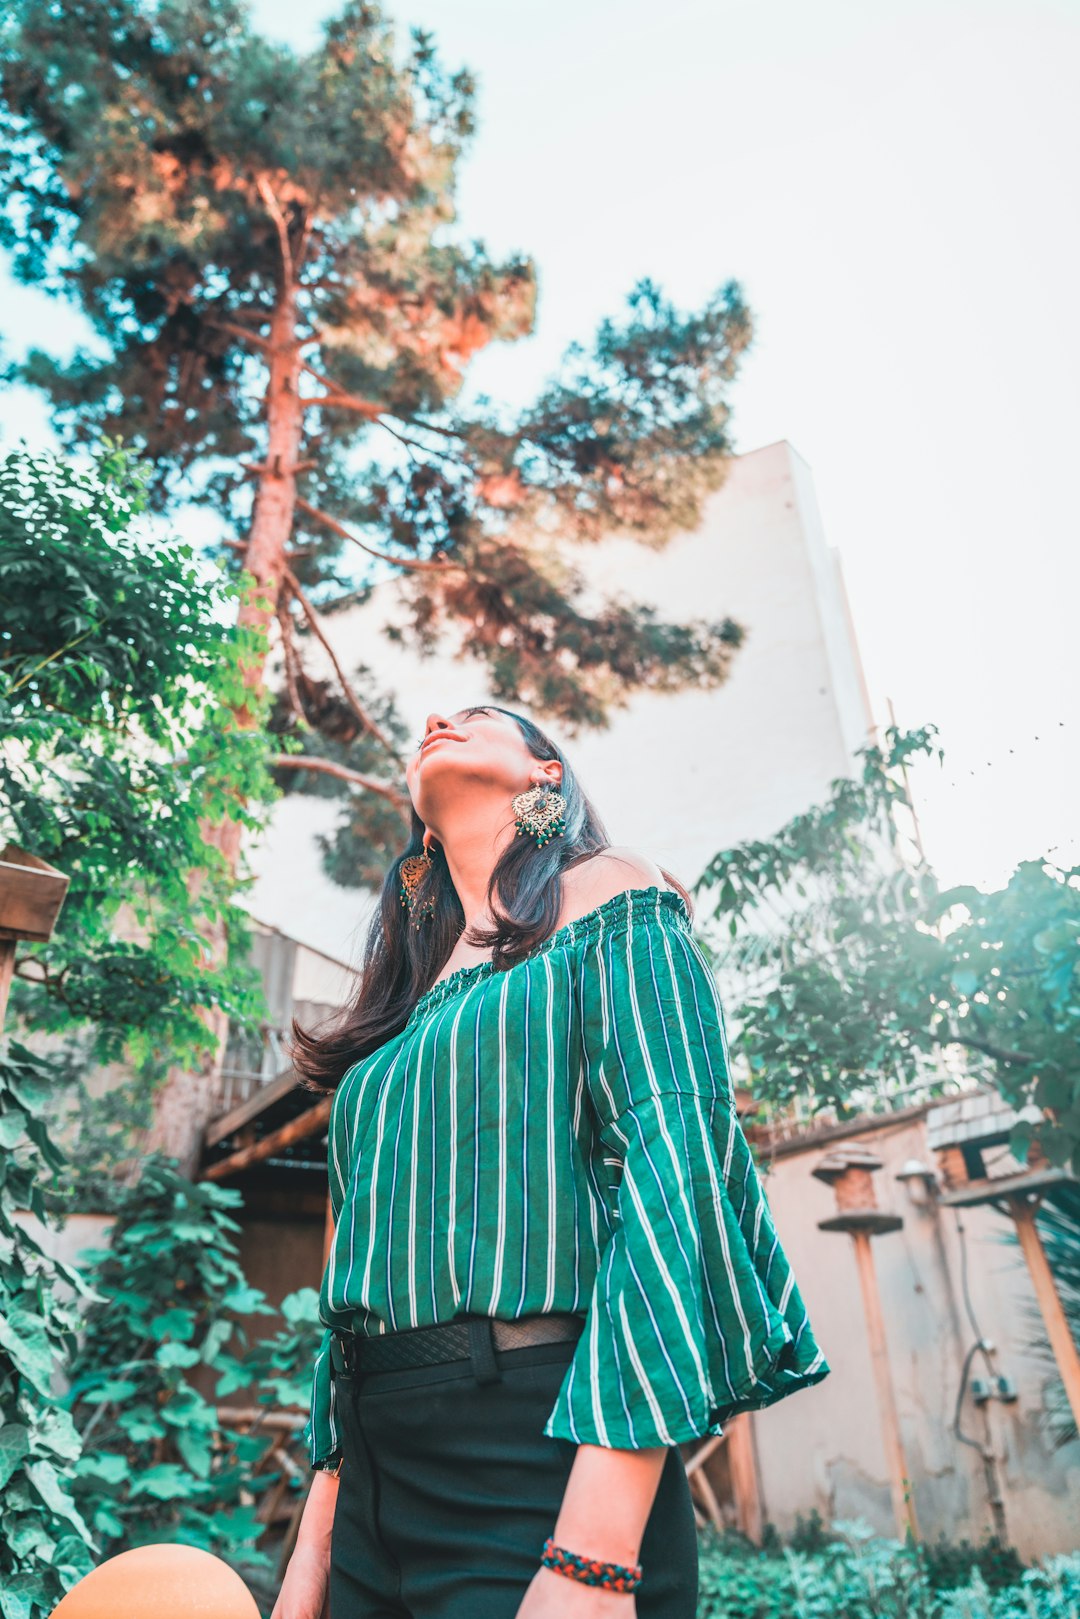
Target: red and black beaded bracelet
(590,1570)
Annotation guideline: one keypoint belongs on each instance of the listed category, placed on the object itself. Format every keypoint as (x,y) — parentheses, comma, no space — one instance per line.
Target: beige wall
(822,1448)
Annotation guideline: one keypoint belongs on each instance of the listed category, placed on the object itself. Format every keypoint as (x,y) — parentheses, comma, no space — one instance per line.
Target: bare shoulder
(604,875)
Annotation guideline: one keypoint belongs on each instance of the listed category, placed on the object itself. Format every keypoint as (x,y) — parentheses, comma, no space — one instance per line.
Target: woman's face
(472,749)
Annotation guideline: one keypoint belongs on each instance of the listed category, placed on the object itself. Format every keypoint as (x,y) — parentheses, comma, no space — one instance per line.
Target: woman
(552,1259)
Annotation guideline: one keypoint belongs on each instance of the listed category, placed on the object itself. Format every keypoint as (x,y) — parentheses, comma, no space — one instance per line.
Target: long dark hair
(400,962)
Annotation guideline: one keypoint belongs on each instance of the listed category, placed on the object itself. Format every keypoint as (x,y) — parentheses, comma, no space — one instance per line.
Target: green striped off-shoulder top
(561,1135)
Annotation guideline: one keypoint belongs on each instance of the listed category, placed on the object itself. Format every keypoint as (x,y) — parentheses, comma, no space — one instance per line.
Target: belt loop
(482,1351)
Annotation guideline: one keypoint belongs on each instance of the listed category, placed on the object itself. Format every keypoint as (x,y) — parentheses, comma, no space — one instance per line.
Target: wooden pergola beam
(286,1136)
(264,1096)
(1055,1320)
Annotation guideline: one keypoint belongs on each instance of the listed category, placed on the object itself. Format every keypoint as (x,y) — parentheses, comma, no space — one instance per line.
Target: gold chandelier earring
(540,811)
(414,872)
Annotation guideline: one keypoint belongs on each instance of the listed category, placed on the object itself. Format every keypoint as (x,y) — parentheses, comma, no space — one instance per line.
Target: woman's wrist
(603,1573)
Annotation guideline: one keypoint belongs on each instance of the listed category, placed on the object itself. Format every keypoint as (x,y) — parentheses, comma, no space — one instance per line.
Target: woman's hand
(552,1595)
(303,1590)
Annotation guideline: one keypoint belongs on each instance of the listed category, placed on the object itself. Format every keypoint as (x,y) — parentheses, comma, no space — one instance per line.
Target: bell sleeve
(694,1314)
(321,1432)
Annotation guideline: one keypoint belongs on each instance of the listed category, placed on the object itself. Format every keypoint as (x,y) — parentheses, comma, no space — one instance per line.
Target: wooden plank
(296,1130)
(1004,1188)
(744,1477)
(7,971)
(899,1478)
(1058,1330)
(244,1112)
(31,894)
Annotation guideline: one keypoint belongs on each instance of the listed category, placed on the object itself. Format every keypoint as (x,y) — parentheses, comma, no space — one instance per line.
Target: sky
(894,186)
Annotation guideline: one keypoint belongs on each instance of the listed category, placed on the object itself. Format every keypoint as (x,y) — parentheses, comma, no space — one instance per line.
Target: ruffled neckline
(631,901)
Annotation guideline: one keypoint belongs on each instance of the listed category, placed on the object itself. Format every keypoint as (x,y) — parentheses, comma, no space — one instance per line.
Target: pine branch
(1001,1053)
(292,661)
(329,767)
(350,696)
(338,398)
(413,564)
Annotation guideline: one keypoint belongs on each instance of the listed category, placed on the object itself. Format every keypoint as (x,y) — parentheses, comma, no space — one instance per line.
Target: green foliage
(128,726)
(854,972)
(171,1291)
(46,1545)
(856,1574)
(280,1364)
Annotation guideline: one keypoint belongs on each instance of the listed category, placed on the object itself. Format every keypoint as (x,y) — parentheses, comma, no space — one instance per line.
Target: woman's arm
(606,1505)
(607,1502)
(303,1590)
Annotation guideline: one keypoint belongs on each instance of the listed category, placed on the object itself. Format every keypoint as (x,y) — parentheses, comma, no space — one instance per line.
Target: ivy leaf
(43,1477)
(217,1336)
(14,1445)
(140,1424)
(197,1451)
(302,1307)
(25,1340)
(237,1375)
(246,1300)
(108,1466)
(56,1432)
(173,1324)
(12,1128)
(165,1483)
(114,1390)
(18,1597)
(172,1355)
(72,1559)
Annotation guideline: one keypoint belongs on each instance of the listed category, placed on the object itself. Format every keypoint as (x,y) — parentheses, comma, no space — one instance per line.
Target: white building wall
(678,776)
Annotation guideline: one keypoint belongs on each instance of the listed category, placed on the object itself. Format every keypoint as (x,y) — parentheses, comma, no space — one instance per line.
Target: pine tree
(283,315)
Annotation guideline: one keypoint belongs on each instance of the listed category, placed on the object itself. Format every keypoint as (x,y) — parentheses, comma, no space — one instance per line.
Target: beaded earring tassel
(413,873)
(540,812)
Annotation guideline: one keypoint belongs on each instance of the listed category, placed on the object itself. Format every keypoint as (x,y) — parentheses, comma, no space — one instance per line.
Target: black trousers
(449,1489)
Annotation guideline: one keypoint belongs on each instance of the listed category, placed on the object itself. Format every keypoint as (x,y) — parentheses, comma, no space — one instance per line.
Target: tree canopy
(283,315)
(856,971)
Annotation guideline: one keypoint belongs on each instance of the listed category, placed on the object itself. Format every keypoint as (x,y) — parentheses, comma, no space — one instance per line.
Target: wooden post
(1042,1279)
(899,1481)
(744,1476)
(7,971)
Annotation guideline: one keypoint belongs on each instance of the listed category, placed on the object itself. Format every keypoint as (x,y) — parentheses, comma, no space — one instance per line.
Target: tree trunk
(185,1100)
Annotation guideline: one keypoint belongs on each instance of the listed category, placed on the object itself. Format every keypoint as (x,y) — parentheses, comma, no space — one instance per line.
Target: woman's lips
(440,736)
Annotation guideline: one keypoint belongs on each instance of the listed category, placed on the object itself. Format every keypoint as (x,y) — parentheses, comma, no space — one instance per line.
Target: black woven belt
(451,1340)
